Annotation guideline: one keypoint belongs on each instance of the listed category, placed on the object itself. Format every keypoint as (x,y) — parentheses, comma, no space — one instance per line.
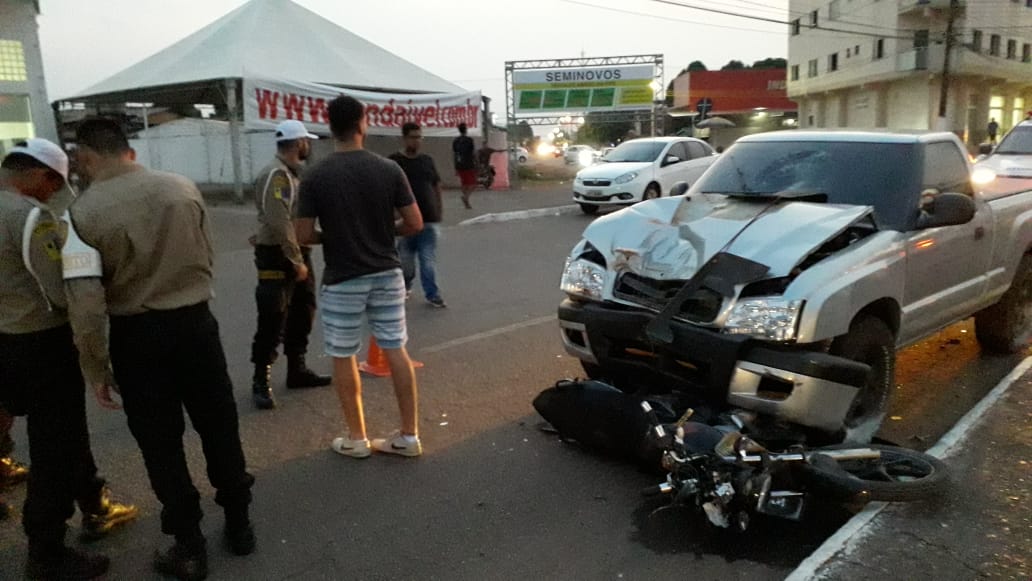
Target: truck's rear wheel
(869,341)
(1006,327)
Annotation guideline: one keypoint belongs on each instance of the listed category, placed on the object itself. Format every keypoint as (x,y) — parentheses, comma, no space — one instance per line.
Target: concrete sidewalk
(982,528)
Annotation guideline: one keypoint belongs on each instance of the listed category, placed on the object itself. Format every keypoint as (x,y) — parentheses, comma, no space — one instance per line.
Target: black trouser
(41,380)
(286,306)
(165,361)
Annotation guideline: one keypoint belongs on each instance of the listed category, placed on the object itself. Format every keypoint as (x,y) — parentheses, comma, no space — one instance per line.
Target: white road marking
(488,334)
(520,215)
(851,535)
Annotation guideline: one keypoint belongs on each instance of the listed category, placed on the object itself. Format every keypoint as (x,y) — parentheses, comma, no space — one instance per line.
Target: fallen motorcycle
(719,466)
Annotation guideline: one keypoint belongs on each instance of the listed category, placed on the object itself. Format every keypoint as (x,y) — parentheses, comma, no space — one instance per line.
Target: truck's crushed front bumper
(804,386)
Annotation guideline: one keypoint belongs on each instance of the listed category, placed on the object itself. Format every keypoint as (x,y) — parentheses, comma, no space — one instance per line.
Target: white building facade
(879,64)
(24,109)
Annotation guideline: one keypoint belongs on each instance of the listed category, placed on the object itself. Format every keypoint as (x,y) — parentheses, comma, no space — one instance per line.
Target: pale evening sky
(464,42)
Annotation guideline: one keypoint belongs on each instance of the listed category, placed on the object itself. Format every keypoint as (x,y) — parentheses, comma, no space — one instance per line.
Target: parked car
(641,169)
(580,154)
(520,154)
(796,256)
(1012,158)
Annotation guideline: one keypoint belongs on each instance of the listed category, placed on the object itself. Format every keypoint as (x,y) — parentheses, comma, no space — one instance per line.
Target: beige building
(24,109)
(879,63)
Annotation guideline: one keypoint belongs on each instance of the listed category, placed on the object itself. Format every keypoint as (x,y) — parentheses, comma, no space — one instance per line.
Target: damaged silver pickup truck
(787,277)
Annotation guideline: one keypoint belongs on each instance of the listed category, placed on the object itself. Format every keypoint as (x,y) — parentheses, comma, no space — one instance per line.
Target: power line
(668,19)
(895,32)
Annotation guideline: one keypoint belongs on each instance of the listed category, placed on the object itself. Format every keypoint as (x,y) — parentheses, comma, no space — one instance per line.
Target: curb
(848,538)
(521,215)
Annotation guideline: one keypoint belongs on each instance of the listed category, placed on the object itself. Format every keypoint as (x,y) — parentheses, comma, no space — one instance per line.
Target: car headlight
(582,278)
(772,318)
(626,177)
(578,179)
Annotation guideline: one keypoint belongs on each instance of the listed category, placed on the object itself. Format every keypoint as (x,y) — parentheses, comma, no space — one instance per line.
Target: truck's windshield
(884,175)
(1017,142)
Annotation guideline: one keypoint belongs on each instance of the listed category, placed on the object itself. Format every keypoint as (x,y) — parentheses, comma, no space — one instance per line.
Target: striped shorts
(378,297)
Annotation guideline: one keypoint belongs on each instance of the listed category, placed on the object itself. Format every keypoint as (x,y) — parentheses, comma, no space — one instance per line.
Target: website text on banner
(267,103)
(583,89)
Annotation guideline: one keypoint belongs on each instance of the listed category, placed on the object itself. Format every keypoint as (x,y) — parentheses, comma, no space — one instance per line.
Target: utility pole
(944,87)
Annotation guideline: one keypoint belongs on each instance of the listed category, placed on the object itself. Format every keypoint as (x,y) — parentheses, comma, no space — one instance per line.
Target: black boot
(5,510)
(239,533)
(261,391)
(104,516)
(299,376)
(186,560)
(65,563)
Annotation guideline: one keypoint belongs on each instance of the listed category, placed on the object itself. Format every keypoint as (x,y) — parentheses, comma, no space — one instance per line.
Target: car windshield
(883,175)
(636,151)
(1017,142)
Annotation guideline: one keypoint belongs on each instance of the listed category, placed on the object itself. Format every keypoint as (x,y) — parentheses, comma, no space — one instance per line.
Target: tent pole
(234,140)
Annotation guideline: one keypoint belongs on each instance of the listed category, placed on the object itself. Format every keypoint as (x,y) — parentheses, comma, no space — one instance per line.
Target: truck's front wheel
(1007,326)
(869,341)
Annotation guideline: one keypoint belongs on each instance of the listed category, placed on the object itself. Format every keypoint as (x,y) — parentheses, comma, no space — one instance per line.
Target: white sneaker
(396,444)
(354,448)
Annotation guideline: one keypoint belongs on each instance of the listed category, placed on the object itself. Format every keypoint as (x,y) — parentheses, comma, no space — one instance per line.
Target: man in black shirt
(465,163)
(426,187)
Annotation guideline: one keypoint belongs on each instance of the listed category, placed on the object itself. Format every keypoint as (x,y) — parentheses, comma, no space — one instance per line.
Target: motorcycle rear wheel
(900,475)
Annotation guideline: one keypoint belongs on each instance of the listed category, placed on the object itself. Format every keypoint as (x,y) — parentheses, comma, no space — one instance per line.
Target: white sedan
(641,169)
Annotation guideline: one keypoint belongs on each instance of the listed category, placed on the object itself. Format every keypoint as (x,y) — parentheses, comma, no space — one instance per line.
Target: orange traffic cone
(376,361)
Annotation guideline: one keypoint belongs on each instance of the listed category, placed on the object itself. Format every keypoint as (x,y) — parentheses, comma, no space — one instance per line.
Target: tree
(603,130)
(771,63)
(522,133)
(696,66)
(734,66)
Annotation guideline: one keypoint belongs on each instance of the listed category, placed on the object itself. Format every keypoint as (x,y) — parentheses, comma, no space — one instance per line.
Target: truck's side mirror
(947,210)
(679,189)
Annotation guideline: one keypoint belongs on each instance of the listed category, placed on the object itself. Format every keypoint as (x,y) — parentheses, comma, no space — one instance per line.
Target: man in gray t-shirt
(355,195)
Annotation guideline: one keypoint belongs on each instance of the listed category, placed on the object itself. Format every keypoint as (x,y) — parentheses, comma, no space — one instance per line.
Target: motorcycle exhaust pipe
(665,488)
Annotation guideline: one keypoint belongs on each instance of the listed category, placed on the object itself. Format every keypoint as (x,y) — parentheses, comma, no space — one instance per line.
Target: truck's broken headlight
(771,318)
(584,279)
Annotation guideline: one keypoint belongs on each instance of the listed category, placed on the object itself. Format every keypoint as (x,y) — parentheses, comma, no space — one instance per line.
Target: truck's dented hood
(671,238)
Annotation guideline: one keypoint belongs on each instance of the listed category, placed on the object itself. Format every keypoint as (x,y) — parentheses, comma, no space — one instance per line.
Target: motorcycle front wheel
(899,475)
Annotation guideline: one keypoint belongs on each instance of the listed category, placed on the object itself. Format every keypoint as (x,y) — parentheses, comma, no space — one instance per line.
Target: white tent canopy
(273,39)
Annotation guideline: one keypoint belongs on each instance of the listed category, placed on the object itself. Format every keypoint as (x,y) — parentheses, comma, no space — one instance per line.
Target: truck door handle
(979,233)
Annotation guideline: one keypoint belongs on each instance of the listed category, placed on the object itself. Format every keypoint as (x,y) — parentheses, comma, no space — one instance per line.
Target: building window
(832,62)
(994,45)
(812,71)
(813,19)
(795,72)
(879,49)
(856,50)
(976,40)
(849,52)
(12,61)
(1012,49)
(834,10)
(1026,53)
(794,27)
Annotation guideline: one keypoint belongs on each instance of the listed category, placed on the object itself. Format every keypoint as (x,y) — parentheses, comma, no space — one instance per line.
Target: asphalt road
(492,497)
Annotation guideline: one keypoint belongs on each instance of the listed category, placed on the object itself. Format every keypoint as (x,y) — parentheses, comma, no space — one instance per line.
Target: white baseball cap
(293,129)
(45,152)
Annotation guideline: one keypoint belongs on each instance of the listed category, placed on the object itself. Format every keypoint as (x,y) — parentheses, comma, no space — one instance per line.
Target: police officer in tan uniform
(286,281)
(139,258)
(40,368)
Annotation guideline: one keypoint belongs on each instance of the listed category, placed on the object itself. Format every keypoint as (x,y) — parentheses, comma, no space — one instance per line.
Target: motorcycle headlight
(626,177)
(771,318)
(583,279)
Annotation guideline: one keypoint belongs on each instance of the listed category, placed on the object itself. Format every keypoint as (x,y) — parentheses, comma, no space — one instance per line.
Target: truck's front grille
(701,307)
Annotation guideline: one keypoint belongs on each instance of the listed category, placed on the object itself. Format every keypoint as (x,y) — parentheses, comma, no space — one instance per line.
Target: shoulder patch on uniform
(280,185)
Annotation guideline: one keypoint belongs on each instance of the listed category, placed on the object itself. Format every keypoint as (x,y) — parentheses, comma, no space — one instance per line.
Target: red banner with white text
(268,103)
